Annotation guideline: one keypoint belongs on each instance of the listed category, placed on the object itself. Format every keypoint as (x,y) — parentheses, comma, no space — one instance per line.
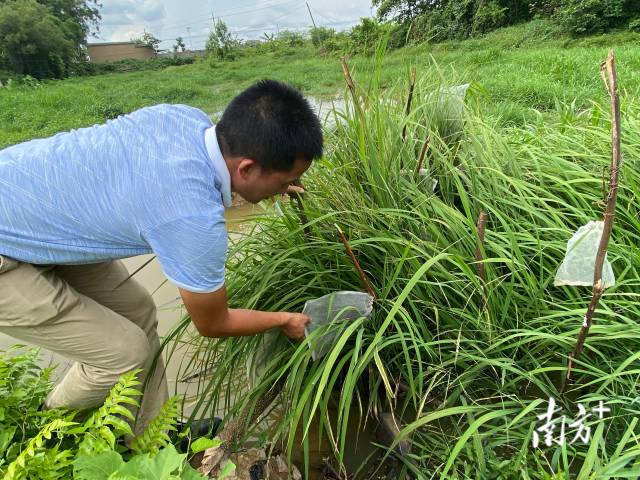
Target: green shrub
(23,389)
(221,44)
(127,65)
(477,355)
(338,43)
(289,38)
(107,109)
(320,35)
(489,16)
(581,17)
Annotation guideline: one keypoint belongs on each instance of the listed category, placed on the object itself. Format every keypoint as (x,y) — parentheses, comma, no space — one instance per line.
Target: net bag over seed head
(326,311)
(579,262)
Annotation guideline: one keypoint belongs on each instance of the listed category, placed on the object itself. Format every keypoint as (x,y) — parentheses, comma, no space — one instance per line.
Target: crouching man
(154,181)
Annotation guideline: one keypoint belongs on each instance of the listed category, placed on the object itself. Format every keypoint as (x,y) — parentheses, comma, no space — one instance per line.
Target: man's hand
(294,325)
(295,188)
(213,318)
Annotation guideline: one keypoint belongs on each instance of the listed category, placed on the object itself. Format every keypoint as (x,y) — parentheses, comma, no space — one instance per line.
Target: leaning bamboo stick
(363,277)
(349,79)
(412,86)
(608,70)
(423,152)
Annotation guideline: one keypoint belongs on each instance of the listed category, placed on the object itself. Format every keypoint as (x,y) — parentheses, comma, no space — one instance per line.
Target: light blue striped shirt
(150,181)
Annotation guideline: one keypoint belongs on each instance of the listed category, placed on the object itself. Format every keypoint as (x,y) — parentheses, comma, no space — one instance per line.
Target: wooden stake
(608,71)
(363,277)
(423,152)
(347,76)
(409,98)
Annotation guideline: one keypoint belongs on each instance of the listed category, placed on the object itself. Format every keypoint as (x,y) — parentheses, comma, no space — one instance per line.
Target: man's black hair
(271,123)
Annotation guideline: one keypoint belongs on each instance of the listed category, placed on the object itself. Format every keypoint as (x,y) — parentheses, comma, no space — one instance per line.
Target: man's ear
(246,167)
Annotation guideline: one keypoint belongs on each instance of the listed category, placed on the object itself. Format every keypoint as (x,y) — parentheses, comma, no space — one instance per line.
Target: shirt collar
(219,165)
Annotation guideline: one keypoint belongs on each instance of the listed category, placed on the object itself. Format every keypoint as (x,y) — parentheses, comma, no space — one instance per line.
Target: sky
(123,20)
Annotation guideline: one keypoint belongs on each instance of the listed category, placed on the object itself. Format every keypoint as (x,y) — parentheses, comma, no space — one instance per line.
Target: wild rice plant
(467,364)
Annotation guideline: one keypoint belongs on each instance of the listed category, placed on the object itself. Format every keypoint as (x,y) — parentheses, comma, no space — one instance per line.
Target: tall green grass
(476,361)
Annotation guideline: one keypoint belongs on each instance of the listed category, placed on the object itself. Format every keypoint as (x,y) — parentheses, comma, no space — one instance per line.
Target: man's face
(255,184)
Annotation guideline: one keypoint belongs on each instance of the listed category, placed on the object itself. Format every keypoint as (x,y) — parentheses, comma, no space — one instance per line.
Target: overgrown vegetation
(453,19)
(46,38)
(466,361)
(39,444)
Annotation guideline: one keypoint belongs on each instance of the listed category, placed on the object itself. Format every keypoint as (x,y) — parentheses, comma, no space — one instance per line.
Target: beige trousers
(83,313)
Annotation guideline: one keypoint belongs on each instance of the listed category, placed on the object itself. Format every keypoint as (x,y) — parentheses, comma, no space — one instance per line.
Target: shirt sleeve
(192,251)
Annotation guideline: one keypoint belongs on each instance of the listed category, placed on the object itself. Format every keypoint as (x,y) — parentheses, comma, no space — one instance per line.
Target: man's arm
(213,318)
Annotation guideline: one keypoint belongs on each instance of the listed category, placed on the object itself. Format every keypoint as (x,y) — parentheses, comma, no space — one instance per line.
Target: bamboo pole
(412,85)
(608,71)
(363,277)
(423,152)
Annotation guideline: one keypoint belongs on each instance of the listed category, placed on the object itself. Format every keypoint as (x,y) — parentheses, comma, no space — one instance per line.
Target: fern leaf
(155,436)
(19,468)
(99,436)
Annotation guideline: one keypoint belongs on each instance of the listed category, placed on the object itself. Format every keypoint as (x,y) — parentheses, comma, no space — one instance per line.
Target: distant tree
(221,43)
(148,40)
(366,35)
(405,10)
(440,19)
(179,45)
(79,17)
(33,41)
(43,37)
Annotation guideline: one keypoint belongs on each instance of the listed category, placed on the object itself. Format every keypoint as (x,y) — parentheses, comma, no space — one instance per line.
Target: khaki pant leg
(108,284)
(39,307)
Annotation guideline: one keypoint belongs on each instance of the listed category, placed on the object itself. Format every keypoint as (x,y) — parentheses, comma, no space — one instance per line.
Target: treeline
(47,38)
(448,19)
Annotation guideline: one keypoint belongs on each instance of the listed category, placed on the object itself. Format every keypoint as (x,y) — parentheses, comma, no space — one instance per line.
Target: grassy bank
(466,361)
(514,69)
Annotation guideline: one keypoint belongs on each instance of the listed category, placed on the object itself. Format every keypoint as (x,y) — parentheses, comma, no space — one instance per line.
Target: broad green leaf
(159,467)
(6,436)
(203,443)
(189,473)
(97,467)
